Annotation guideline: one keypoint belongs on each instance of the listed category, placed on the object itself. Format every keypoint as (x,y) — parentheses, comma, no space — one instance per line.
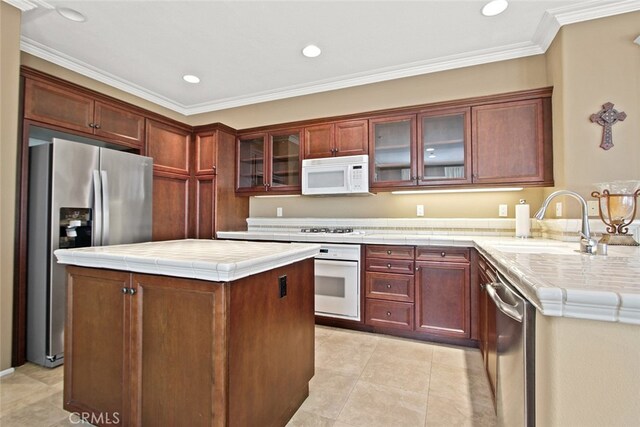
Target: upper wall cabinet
(444,147)
(269,162)
(392,151)
(169,147)
(512,142)
(345,138)
(61,106)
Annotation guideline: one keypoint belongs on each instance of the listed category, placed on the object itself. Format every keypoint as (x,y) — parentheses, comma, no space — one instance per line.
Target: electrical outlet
(282,284)
(278,211)
(559,209)
(503,210)
(419,210)
(593,207)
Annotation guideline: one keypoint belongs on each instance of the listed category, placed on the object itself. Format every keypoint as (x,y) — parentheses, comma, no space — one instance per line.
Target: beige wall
(591,63)
(587,373)
(387,205)
(9,84)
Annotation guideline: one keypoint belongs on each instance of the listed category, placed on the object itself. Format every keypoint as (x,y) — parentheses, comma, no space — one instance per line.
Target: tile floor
(361,379)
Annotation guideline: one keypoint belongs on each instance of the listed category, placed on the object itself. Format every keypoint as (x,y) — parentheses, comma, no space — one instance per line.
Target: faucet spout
(587,243)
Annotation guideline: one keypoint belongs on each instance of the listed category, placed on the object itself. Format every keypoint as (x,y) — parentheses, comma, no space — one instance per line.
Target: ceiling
(247,52)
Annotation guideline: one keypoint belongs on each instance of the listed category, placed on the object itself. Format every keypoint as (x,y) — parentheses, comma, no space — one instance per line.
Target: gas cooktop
(326,230)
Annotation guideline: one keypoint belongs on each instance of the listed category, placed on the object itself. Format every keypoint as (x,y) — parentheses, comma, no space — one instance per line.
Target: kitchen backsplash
(558,229)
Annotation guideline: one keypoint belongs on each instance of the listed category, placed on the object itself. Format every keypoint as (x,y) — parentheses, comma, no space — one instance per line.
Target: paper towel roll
(523,222)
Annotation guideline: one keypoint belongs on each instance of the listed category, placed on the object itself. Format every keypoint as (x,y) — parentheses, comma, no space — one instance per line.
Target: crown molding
(51,55)
(26,5)
(547,29)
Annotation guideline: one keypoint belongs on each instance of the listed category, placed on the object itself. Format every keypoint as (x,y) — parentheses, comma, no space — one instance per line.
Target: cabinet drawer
(390,251)
(396,287)
(382,265)
(397,315)
(437,253)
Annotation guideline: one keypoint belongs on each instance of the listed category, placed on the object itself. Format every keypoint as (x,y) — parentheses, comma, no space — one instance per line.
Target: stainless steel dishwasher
(515,333)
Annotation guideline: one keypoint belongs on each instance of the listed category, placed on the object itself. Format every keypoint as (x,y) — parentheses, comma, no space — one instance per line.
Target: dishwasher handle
(508,309)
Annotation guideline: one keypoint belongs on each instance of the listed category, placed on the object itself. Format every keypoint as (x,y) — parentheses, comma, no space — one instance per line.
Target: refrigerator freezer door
(127,192)
(71,187)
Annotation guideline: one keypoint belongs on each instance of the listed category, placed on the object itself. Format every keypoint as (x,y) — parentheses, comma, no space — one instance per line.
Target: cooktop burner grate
(326,230)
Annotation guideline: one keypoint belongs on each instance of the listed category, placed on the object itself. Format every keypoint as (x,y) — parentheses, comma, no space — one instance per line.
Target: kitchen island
(189,332)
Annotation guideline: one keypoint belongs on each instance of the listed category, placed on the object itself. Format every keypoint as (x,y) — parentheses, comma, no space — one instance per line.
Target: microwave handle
(349,174)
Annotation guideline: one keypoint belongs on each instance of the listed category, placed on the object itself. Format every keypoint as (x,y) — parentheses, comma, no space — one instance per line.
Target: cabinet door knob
(125,290)
(388,252)
(388,313)
(91,125)
(482,286)
(213,168)
(96,126)
(132,291)
(417,268)
(443,254)
(388,285)
(388,265)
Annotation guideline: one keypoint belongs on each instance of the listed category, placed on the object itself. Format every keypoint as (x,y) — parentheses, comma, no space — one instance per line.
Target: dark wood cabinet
(61,106)
(169,146)
(97,345)
(389,286)
(135,347)
(424,290)
(512,142)
(161,350)
(269,162)
(442,299)
(346,138)
(217,207)
(487,331)
(444,146)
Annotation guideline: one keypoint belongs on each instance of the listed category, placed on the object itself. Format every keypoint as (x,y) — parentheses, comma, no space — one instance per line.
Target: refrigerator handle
(97,209)
(105,208)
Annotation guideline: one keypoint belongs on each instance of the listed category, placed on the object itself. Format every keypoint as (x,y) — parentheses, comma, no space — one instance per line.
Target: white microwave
(335,175)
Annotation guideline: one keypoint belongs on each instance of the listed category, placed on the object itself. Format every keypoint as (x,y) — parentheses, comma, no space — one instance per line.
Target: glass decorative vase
(618,201)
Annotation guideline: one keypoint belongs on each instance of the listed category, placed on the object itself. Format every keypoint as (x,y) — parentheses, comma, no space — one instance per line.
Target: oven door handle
(338,263)
(509,310)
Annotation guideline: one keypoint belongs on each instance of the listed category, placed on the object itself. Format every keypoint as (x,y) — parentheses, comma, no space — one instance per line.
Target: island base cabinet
(97,336)
(147,350)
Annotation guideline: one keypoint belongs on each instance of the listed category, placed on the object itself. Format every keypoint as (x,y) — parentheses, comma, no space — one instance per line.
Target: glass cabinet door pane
(251,162)
(443,147)
(285,155)
(392,151)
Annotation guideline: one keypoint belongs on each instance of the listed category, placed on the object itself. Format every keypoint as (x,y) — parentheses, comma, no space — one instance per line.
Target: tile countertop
(551,274)
(214,260)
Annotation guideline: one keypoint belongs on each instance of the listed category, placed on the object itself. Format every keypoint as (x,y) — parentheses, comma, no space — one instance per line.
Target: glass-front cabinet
(444,147)
(269,161)
(392,151)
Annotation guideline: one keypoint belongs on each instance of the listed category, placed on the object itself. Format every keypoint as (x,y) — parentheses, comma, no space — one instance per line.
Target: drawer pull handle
(388,286)
(388,313)
(388,265)
(388,252)
(442,254)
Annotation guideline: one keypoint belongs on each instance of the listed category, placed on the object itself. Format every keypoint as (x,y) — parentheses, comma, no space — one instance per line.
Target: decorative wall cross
(607,117)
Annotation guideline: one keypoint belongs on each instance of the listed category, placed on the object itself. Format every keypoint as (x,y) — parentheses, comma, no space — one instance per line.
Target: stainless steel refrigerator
(79,195)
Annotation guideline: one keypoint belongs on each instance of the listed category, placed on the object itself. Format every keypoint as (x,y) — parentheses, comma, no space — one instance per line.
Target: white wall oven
(337,281)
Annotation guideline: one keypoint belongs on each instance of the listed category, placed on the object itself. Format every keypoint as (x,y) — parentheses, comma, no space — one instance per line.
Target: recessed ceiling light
(71,15)
(190,78)
(311,51)
(495,7)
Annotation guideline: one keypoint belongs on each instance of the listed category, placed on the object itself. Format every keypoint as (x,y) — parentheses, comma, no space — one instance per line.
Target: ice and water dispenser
(75,228)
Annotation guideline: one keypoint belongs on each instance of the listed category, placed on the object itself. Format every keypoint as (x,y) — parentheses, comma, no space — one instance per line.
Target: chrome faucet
(587,244)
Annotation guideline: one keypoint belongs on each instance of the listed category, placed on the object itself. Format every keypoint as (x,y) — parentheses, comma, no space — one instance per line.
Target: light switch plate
(593,207)
(559,209)
(419,210)
(278,211)
(503,210)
